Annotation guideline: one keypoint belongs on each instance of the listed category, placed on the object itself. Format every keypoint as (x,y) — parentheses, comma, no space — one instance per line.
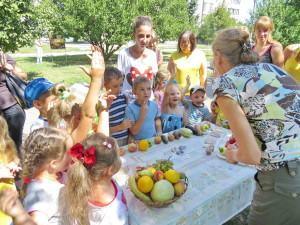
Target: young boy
(38,94)
(195,110)
(118,126)
(143,112)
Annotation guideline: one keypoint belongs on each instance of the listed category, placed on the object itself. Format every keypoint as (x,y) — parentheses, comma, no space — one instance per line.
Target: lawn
(66,68)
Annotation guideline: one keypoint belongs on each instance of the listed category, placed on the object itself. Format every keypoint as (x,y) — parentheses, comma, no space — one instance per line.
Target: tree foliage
(17,24)
(286,17)
(215,21)
(108,23)
(170,18)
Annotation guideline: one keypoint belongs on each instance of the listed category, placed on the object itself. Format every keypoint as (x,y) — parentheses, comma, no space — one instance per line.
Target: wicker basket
(166,203)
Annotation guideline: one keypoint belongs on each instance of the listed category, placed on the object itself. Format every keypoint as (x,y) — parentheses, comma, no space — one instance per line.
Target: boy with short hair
(143,112)
(195,109)
(38,94)
(118,125)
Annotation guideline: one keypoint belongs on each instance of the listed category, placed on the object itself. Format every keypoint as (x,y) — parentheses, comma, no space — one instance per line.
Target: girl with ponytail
(43,162)
(90,195)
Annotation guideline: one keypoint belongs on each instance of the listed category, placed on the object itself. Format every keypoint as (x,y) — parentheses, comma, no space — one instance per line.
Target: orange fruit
(145,184)
(143,145)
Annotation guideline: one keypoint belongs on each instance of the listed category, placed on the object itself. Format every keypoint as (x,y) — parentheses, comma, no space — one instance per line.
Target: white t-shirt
(39,123)
(131,67)
(42,196)
(114,213)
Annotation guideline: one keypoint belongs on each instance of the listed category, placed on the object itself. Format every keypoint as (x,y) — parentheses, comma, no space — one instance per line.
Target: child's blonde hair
(162,74)
(40,147)
(62,110)
(8,151)
(166,100)
(75,195)
(140,80)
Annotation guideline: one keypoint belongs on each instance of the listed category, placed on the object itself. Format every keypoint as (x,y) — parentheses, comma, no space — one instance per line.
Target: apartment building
(239,9)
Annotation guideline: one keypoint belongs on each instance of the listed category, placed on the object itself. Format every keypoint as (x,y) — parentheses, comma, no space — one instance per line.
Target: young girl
(269,50)
(172,110)
(138,60)
(44,159)
(8,164)
(76,119)
(91,196)
(161,79)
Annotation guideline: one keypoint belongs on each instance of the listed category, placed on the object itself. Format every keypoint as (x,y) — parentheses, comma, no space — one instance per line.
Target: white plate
(220,155)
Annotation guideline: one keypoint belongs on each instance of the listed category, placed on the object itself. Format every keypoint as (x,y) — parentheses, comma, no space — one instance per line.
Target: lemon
(143,145)
(172,175)
(145,184)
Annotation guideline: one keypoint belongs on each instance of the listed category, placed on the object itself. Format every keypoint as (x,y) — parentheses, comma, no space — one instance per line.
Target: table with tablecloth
(217,190)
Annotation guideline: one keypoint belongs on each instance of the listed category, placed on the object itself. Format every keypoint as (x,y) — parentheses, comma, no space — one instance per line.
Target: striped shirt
(117,114)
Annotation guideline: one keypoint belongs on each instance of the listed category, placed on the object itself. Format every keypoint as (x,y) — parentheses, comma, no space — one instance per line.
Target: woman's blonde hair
(235,45)
(8,151)
(166,100)
(77,191)
(266,23)
(40,147)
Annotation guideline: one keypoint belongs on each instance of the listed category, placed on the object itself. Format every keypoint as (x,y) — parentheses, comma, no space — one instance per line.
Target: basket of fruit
(158,185)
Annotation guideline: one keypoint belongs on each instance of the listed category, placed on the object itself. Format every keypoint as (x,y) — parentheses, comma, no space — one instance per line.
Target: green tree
(215,21)
(286,17)
(108,23)
(17,24)
(49,16)
(170,18)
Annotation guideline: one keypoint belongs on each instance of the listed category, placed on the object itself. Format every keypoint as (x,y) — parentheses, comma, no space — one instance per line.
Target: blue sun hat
(36,88)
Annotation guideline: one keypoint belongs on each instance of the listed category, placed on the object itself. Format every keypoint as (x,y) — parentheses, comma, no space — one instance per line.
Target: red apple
(158,175)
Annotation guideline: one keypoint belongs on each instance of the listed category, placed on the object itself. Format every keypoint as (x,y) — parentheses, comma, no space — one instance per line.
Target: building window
(233,11)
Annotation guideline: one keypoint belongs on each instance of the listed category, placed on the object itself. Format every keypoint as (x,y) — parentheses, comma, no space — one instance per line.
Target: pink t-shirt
(159,95)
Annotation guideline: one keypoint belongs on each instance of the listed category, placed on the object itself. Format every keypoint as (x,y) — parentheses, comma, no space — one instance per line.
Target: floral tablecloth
(217,190)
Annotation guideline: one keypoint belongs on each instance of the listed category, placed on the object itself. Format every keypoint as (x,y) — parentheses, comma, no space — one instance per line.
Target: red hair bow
(86,156)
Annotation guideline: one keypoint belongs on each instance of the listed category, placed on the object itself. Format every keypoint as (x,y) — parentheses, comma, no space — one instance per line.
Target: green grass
(56,69)
(66,68)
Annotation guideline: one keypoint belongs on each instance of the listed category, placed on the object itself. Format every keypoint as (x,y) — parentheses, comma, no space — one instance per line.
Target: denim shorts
(276,199)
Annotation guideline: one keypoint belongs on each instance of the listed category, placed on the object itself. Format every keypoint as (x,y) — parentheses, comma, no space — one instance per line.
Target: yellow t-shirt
(189,65)
(293,67)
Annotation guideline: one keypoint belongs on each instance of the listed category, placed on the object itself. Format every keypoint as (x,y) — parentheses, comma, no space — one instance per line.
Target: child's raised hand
(14,168)
(97,64)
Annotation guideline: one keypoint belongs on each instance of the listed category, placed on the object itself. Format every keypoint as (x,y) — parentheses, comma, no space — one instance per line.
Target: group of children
(67,164)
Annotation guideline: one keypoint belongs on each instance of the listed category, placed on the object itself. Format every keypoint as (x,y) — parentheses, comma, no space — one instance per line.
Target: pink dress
(159,95)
